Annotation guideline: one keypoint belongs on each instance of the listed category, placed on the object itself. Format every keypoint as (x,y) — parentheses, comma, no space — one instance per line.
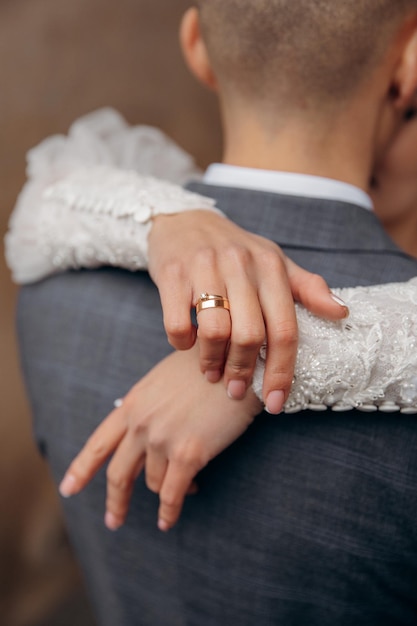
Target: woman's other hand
(170,425)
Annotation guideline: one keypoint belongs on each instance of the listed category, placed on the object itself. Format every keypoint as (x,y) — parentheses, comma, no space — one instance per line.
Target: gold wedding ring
(209,301)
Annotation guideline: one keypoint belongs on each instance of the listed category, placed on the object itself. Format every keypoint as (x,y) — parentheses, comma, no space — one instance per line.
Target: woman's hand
(201,252)
(170,425)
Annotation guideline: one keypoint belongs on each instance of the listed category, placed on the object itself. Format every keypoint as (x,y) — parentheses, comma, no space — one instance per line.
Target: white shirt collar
(286,183)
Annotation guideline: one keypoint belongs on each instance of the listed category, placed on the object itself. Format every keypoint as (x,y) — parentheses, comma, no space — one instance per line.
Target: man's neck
(332,152)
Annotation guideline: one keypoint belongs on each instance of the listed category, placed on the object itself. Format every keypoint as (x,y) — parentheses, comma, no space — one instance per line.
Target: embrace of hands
(198,400)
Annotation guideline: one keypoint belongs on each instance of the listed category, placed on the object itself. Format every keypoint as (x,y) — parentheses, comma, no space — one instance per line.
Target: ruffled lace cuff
(367,362)
(90,197)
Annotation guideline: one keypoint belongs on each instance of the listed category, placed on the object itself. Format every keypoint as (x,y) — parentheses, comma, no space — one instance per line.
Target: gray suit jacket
(307,519)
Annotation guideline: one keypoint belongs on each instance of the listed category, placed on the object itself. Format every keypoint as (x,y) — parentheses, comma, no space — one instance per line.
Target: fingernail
(236,389)
(213,376)
(340,302)
(274,402)
(111,521)
(66,488)
(163,525)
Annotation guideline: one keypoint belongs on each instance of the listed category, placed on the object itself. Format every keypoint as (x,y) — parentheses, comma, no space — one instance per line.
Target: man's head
(296,52)
(322,68)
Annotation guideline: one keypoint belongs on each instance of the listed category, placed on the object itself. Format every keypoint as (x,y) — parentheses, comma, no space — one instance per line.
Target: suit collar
(288,183)
(309,223)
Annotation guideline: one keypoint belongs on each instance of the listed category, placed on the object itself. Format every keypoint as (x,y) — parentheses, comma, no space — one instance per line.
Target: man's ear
(404,86)
(194,49)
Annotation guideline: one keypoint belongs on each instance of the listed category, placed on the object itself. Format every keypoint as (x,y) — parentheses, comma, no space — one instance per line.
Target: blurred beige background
(59,60)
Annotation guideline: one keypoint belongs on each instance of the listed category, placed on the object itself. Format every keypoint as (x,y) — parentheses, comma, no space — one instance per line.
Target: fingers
(280,318)
(220,258)
(126,464)
(231,342)
(313,292)
(282,337)
(174,489)
(173,480)
(176,297)
(156,467)
(248,335)
(214,328)
(98,448)
(130,455)
(262,308)
(214,325)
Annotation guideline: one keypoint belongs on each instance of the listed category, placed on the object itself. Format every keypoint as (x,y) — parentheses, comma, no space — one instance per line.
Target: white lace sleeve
(368,361)
(90,197)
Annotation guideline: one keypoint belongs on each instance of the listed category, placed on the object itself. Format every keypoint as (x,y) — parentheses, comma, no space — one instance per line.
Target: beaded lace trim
(367,362)
(119,193)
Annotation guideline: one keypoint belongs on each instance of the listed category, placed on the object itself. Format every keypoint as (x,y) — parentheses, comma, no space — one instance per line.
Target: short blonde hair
(290,49)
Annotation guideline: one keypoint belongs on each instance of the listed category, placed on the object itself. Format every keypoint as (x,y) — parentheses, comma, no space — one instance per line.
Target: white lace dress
(89,200)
